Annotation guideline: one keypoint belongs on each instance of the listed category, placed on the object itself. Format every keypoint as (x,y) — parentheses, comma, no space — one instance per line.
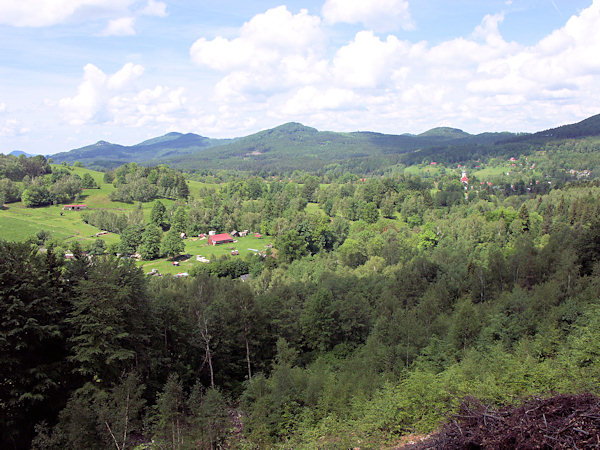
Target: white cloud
(154,8)
(11,128)
(309,99)
(476,82)
(378,15)
(120,27)
(116,99)
(367,62)
(2,107)
(41,13)
(265,39)
(275,50)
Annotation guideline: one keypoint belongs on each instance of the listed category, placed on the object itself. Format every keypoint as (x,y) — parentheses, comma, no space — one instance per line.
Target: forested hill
(104,154)
(586,128)
(293,145)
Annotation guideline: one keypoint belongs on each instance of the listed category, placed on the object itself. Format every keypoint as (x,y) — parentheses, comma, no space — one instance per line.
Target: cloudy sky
(73,72)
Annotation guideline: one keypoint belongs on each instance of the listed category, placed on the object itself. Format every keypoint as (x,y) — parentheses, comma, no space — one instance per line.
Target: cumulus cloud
(41,13)
(154,8)
(117,99)
(479,81)
(378,15)
(367,62)
(120,27)
(2,107)
(275,49)
(265,39)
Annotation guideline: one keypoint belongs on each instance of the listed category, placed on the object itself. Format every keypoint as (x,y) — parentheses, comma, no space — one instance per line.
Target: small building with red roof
(220,239)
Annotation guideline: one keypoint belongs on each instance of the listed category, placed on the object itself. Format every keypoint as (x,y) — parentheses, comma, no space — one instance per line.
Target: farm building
(220,239)
(75,207)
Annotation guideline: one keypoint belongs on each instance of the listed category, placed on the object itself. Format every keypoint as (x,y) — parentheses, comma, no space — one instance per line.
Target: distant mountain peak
(447,132)
(101,143)
(20,152)
(294,127)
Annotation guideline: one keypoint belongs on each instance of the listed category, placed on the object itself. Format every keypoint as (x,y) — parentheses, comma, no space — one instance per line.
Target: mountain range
(295,146)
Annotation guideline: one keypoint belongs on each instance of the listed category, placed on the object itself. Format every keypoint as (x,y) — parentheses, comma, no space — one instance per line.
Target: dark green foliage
(131,238)
(109,321)
(33,303)
(350,332)
(230,267)
(158,215)
(172,244)
(291,246)
(150,245)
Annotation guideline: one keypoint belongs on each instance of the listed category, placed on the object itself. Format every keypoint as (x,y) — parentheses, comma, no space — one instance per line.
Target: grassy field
(195,247)
(18,223)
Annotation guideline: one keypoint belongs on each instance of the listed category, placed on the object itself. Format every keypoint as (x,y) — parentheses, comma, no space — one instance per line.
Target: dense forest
(383,303)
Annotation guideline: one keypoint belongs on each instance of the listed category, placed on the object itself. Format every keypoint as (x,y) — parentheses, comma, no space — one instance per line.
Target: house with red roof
(220,239)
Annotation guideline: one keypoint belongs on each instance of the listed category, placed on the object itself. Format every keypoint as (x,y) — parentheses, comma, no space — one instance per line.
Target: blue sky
(73,72)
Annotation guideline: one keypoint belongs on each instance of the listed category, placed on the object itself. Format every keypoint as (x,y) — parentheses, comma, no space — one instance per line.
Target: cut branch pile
(559,422)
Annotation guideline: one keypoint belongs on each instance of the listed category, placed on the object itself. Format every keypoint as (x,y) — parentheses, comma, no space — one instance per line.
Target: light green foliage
(88,182)
(36,195)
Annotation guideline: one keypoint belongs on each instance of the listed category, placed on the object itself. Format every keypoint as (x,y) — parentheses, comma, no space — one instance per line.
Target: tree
(179,222)
(388,208)
(33,336)
(108,177)
(290,246)
(36,196)
(211,415)
(369,213)
(523,217)
(150,246)
(183,191)
(170,413)
(109,321)
(119,411)
(172,244)
(88,182)
(131,238)
(158,215)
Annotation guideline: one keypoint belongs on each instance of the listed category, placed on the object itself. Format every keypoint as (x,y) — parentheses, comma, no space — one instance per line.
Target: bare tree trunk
(173,435)
(247,352)
(126,420)
(206,337)
(112,435)
(166,346)
(212,376)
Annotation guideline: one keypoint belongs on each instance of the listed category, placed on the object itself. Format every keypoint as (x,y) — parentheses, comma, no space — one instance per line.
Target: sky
(73,72)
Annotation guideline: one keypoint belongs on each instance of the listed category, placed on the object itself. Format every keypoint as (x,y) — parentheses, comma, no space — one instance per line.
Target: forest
(382,304)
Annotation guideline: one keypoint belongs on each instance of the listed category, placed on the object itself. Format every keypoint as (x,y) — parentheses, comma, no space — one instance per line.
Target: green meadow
(17,223)
(196,247)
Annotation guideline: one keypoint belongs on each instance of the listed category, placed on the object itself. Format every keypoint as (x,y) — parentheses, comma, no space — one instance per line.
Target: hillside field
(17,223)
